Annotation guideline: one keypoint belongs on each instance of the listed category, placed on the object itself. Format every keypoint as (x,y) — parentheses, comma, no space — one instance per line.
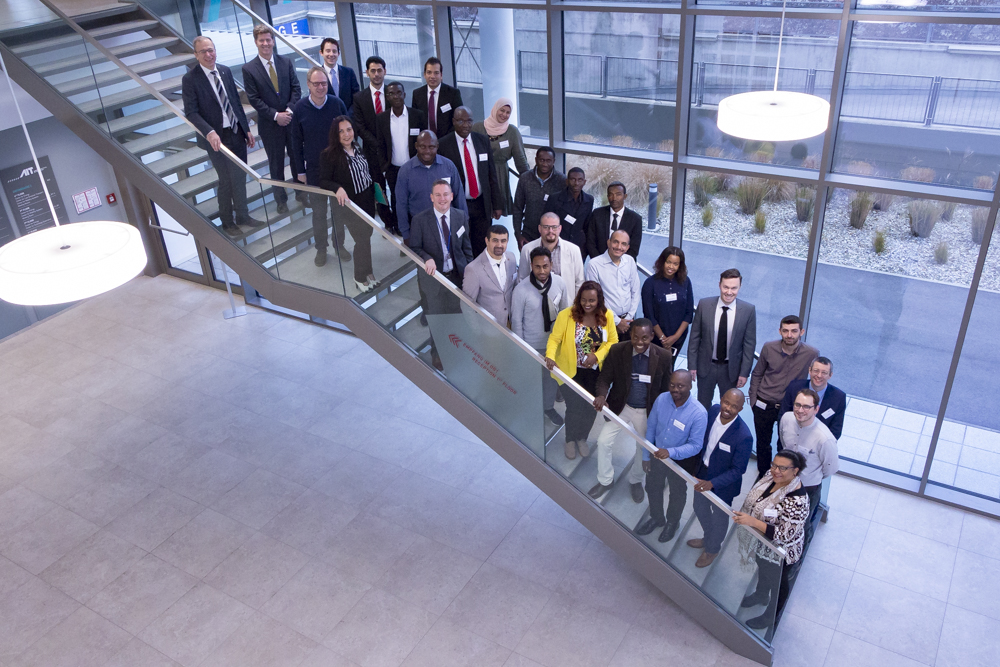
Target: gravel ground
(843,245)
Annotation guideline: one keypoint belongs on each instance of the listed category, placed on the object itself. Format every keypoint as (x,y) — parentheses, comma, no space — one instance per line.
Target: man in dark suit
(471,153)
(368,103)
(396,131)
(437,100)
(832,401)
(343,81)
(608,219)
(212,103)
(728,443)
(574,208)
(716,360)
(637,373)
(273,89)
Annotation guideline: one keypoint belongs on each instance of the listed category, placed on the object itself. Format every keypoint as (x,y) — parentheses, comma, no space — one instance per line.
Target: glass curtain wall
(873,231)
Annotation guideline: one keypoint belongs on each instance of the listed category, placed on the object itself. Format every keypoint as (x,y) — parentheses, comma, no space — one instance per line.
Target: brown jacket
(616,373)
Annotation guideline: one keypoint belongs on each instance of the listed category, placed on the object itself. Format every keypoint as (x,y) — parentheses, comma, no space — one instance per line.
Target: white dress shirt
(211,81)
(462,143)
(500,269)
(399,129)
(718,428)
(730,320)
(448,264)
(611,220)
(620,283)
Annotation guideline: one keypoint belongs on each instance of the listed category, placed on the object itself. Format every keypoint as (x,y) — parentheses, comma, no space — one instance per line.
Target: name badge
(570,219)
(604,335)
(770,514)
(646,379)
(504,144)
(724,447)
(761,404)
(414,132)
(461,230)
(671,297)
(678,425)
(482,157)
(446,108)
(545,197)
(829,412)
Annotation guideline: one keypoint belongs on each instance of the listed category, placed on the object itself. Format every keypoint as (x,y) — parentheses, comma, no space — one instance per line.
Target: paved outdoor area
(178,489)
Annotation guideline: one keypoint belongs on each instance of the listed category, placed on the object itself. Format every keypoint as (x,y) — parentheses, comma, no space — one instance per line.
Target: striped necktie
(227,108)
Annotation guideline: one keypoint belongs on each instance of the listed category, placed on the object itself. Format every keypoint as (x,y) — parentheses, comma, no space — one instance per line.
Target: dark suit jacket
(262,96)
(349,86)
(363,114)
(725,469)
(744,342)
(383,134)
(833,399)
(600,229)
(202,107)
(426,241)
(616,372)
(489,188)
(446,96)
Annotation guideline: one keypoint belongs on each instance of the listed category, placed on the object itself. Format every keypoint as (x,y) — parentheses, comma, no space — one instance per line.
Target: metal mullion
(682,115)
(557,87)
(963,330)
(917,190)
(443,44)
(350,49)
(885,16)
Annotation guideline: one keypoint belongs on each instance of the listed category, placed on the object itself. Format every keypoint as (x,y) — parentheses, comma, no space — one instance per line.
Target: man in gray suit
(723,339)
(490,278)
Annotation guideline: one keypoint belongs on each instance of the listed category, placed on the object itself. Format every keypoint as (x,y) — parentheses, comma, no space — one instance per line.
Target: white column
(498,60)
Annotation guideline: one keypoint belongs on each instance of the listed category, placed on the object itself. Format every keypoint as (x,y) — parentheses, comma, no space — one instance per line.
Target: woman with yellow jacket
(579,342)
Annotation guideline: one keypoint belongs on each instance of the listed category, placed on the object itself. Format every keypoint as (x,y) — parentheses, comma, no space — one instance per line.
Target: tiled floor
(178,489)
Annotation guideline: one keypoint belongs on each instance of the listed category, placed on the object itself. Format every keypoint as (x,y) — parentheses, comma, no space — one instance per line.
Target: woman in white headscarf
(505,140)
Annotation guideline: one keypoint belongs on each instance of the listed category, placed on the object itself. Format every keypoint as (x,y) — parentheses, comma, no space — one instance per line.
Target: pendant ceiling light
(774,115)
(67,262)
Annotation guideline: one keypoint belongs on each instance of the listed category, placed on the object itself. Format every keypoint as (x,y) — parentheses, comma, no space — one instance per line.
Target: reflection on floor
(176,488)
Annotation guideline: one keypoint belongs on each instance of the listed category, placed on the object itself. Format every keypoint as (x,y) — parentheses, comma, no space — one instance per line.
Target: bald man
(618,276)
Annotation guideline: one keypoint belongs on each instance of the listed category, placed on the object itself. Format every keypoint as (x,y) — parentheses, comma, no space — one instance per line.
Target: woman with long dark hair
(579,342)
(344,170)
(668,300)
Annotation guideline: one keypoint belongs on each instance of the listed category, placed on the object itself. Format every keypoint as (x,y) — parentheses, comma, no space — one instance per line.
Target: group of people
(572,294)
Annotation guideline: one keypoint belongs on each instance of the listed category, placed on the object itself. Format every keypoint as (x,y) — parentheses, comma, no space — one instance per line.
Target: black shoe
(345,255)
(554,417)
(754,599)
(759,622)
(649,526)
(423,319)
(232,229)
(637,492)
(668,533)
(320,257)
(282,208)
(598,490)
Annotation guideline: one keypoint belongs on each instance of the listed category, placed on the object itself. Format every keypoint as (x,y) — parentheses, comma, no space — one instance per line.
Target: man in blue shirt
(676,425)
(416,180)
(832,400)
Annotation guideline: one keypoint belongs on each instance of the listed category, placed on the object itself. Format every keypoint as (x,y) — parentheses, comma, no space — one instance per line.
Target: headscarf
(544,289)
(492,124)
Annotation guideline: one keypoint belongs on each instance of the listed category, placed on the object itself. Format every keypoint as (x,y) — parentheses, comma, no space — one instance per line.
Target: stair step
(104,32)
(206,180)
(281,238)
(210,207)
(146,68)
(397,304)
(136,121)
(122,51)
(414,334)
(130,96)
(176,162)
(158,140)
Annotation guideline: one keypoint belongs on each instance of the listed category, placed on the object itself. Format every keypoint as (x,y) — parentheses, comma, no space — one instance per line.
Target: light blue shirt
(413,189)
(679,430)
(620,283)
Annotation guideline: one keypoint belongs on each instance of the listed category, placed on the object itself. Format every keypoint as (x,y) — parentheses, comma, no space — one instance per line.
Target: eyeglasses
(781,468)
(206,51)
(801,406)
(319,84)
(551,227)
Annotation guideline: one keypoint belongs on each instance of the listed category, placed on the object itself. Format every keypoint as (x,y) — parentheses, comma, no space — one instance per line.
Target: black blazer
(616,372)
(202,107)
(349,86)
(262,96)
(600,229)
(363,115)
(426,241)
(335,173)
(725,468)
(383,134)
(446,96)
(833,399)
(489,187)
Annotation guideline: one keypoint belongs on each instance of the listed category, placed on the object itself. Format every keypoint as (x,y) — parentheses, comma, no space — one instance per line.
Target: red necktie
(470,172)
(378,103)
(432,123)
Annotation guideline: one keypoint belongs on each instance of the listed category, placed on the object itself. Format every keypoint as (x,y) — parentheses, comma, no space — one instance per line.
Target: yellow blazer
(561,347)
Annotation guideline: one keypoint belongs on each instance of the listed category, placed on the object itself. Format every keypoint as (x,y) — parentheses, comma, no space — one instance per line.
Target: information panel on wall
(6,231)
(26,196)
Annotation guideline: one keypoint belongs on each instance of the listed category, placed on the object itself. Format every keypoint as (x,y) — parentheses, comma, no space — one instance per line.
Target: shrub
(707,215)
(723,182)
(860,168)
(947,209)
(879,242)
(704,186)
(751,193)
(780,191)
(919,174)
(805,199)
(860,207)
(983,182)
(941,253)
(759,222)
(980,215)
(882,201)
(923,216)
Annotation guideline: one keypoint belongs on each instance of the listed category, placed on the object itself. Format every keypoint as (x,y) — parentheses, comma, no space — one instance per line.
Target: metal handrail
(416,259)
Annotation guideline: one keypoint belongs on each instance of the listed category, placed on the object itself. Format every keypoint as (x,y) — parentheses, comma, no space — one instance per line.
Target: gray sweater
(815,443)
(526,310)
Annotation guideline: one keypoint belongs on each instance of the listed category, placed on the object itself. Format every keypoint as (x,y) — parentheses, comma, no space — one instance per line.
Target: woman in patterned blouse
(777,506)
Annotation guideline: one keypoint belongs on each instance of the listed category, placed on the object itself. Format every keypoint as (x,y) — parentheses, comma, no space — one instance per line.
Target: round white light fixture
(773,115)
(70,262)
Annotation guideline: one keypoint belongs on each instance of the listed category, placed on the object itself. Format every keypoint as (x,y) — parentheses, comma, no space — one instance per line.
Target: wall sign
(86,200)
(300,27)
(27,198)
(6,231)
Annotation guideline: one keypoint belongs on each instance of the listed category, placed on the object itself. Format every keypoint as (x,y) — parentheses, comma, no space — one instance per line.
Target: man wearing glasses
(567,260)
(802,432)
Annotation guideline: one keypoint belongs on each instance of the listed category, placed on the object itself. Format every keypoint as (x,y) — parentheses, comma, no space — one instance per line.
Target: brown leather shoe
(696,543)
(570,450)
(583,447)
(705,559)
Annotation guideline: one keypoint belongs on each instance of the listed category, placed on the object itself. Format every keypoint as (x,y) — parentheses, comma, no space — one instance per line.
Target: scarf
(544,289)
(493,126)
(755,505)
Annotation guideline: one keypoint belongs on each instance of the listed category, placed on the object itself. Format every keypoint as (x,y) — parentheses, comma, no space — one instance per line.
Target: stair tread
(90,82)
(204,180)
(177,161)
(397,304)
(157,140)
(103,32)
(141,119)
(130,96)
(414,334)
(121,51)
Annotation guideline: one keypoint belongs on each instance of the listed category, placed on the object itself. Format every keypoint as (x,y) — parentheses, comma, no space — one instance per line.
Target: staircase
(114,78)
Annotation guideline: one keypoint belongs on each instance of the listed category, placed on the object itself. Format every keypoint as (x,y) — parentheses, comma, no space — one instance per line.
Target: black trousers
(361,232)
(319,204)
(580,413)
(763,422)
(232,189)
(479,223)
(660,477)
(714,522)
(391,174)
(771,576)
(277,142)
(814,493)
(710,376)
